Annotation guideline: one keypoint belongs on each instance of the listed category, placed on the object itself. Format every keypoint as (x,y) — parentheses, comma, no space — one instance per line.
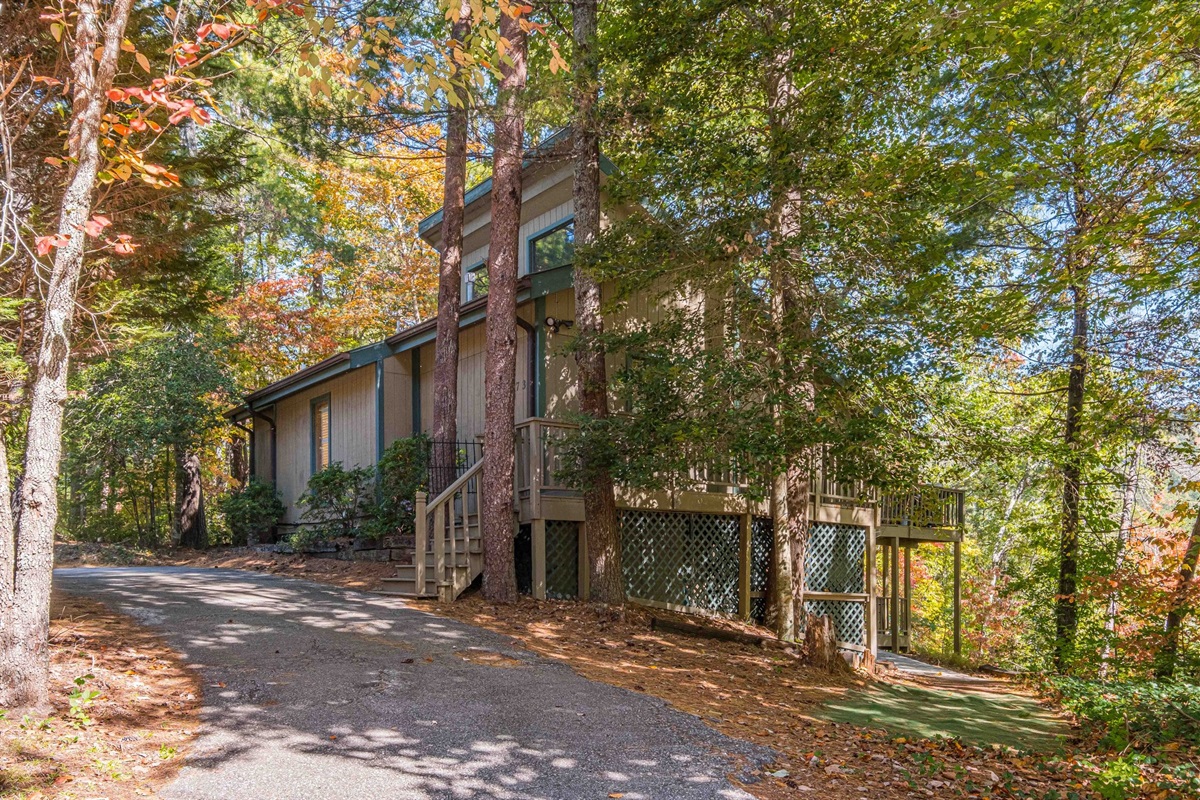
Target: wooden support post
(537,458)
(538,529)
(420,544)
(907,640)
(957,598)
(585,580)
(885,552)
(894,604)
(439,549)
(872,633)
(745,554)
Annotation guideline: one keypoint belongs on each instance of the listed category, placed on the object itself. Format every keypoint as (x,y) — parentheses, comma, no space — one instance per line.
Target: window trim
(312,431)
(468,284)
(532,238)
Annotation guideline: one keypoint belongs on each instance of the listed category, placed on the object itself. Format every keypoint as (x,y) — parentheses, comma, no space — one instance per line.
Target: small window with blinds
(320,433)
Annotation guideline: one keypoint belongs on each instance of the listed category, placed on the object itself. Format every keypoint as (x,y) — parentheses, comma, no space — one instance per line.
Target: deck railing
(541,459)
(924,507)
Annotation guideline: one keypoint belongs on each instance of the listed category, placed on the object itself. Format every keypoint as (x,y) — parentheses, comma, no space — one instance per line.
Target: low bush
(1144,715)
(335,503)
(252,512)
(403,470)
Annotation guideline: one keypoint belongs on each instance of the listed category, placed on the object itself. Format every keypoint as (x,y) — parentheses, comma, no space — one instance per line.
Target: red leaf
(116,95)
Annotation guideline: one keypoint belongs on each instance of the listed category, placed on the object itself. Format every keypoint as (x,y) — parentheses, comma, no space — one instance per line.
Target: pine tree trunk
(602,532)
(1181,606)
(799,487)
(1066,617)
(24,653)
(445,364)
(189,500)
(499,571)
(780,597)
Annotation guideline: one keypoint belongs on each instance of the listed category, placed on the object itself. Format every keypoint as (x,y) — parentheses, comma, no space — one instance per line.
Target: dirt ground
(763,694)
(124,711)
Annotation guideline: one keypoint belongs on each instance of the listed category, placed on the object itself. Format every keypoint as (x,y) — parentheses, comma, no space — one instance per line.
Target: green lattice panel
(683,559)
(562,559)
(835,563)
(762,540)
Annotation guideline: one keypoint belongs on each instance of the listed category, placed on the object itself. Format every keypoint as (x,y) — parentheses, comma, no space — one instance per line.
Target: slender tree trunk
(780,597)
(189,500)
(8,567)
(1066,616)
(1181,606)
(1128,504)
(499,571)
(799,488)
(24,656)
(445,364)
(602,534)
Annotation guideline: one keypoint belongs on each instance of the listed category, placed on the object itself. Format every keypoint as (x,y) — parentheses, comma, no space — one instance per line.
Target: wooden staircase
(448,554)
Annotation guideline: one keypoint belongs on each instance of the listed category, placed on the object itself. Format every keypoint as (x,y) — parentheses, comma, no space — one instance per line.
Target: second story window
(477,281)
(552,249)
(320,433)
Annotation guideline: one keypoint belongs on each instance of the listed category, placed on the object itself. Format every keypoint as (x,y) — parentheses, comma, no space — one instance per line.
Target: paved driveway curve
(416,702)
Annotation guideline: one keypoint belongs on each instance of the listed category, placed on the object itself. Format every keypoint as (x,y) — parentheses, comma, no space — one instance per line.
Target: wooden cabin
(700,547)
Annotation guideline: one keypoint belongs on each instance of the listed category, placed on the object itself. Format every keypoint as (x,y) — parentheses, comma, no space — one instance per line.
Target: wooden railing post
(420,543)
(439,546)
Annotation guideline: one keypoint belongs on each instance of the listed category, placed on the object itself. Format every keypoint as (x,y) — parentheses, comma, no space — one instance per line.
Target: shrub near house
(364,502)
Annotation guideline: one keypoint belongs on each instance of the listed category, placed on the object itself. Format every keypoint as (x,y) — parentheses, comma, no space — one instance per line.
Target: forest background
(1044,155)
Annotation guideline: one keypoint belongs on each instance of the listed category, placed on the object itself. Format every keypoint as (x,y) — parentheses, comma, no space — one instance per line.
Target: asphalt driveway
(318,692)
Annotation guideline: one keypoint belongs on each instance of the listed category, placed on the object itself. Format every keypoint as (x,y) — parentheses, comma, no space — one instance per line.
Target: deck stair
(448,553)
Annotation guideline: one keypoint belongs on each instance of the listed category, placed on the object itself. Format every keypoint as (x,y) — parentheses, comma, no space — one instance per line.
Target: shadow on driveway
(319,692)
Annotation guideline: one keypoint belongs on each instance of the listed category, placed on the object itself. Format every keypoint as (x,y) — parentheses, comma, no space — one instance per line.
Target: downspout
(531,350)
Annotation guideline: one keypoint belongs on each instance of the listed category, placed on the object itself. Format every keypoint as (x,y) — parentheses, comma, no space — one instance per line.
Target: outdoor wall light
(555,324)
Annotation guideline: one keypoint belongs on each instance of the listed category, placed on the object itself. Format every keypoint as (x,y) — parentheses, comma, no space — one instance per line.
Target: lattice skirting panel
(849,619)
(835,563)
(680,558)
(562,559)
(762,540)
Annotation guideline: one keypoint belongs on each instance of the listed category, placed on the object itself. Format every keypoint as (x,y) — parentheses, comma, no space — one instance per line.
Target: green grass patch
(974,717)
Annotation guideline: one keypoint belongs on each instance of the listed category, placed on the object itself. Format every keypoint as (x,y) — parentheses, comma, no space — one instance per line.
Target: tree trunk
(239,465)
(499,571)
(24,654)
(1128,506)
(780,605)
(799,487)
(1066,617)
(601,531)
(445,364)
(189,500)
(1181,606)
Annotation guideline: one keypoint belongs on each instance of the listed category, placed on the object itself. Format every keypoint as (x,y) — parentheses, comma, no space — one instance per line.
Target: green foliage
(252,512)
(80,699)
(1144,715)
(335,503)
(157,394)
(402,471)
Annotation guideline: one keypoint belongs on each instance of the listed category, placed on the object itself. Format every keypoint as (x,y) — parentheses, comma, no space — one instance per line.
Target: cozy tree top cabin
(705,546)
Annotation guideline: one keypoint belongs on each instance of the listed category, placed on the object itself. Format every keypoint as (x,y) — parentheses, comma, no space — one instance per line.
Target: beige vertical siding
(397,397)
(427,356)
(352,431)
(262,448)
